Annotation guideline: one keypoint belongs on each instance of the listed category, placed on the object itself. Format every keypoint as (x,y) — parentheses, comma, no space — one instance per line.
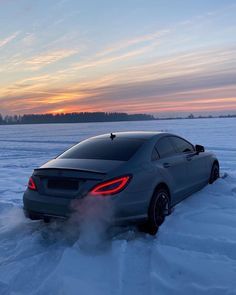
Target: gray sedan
(144,174)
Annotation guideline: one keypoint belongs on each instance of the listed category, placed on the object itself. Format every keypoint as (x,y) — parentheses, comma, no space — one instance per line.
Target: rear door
(174,167)
(196,163)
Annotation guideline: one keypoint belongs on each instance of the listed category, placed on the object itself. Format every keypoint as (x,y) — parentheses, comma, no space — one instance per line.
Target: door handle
(166,165)
(189,158)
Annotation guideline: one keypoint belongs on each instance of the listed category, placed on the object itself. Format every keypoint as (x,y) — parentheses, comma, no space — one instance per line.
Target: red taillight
(111,187)
(32,185)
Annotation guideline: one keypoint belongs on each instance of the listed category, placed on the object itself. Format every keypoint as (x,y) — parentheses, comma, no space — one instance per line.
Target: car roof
(133,134)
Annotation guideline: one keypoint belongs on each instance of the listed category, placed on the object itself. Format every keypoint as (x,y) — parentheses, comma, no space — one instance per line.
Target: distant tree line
(90,117)
(191,116)
(72,118)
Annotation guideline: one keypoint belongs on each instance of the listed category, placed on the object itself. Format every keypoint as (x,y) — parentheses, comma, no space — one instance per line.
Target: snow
(194,251)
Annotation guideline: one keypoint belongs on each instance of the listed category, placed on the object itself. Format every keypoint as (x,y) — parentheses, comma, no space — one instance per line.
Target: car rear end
(97,168)
(54,189)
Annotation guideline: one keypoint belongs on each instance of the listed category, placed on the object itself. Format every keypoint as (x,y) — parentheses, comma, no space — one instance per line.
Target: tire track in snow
(134,260)
(121,268)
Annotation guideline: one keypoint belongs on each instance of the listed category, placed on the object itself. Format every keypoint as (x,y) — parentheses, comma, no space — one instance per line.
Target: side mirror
(199,148)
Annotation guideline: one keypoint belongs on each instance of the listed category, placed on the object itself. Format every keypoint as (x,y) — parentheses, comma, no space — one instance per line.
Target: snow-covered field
(194,251)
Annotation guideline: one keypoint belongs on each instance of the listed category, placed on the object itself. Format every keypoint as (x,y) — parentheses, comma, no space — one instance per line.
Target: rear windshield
(118,149)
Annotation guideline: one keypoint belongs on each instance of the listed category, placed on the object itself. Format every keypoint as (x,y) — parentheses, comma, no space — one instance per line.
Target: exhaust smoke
(92,216)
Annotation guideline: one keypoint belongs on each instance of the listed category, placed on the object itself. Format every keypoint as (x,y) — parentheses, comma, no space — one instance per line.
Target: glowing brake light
(111,187)
(32,185)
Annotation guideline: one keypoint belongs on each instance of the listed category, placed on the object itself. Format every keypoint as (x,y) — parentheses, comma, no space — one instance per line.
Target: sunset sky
(137,56)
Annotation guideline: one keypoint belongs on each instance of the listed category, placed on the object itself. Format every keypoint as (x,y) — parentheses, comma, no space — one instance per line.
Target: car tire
(215,173)
(159,207)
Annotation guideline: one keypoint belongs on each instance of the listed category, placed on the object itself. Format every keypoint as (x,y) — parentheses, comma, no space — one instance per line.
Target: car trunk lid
(71,178)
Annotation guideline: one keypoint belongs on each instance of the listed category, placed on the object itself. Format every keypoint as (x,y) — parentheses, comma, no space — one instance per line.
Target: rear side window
(181,145)
(118,149)
(165,148)
(155,155)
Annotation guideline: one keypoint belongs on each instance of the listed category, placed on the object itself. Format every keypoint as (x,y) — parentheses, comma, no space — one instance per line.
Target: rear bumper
(46,205)
(37,206)
(37,215)
(116,221)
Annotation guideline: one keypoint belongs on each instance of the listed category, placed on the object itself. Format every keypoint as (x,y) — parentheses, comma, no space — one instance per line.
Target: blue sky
(160,57)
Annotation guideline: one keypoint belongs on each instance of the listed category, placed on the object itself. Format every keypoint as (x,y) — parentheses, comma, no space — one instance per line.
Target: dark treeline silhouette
(91,117)
(73,118)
